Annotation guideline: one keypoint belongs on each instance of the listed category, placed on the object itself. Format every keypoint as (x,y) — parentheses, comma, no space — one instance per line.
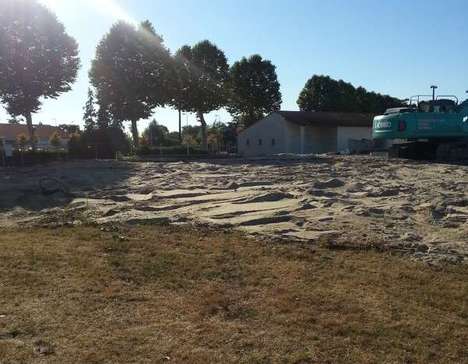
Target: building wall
(345,133)
(293,138)
(266,137)
(319,139)
(296,139)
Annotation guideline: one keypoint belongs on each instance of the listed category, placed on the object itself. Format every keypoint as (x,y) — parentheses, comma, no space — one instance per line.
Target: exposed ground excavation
(417,208)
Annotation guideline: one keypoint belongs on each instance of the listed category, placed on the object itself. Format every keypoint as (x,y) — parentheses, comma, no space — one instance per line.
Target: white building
(302,132)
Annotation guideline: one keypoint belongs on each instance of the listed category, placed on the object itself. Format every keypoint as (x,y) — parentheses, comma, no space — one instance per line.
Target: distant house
(302,132)
(43,133)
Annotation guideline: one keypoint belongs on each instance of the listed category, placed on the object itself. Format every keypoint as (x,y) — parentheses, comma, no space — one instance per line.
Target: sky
(393,47)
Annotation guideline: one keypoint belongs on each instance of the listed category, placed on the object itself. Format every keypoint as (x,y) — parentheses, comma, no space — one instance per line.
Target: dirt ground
(181,294)
(419,209)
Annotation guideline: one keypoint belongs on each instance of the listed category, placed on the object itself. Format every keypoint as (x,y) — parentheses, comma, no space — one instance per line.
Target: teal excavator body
(428,129)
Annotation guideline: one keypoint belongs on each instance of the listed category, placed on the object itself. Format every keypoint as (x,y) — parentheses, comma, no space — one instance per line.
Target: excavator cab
(431,103)
(439,105)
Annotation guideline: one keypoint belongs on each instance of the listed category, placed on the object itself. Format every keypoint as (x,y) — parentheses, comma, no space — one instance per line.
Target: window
(259,141)
(247,142)
(273,142)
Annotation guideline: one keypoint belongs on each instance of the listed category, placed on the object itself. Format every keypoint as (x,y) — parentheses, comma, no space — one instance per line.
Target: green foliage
(191,134)
(229,137)
(173,138)
(222,137)
(99,143)
(33,157)
(14,120)
(104,118)
(38,58)
(203,73)
(254,90)
(180,79)
(206,74)
(22,141)
(322,93)
(156,134)
(89,116)
(55,140)
(33,141)
(74,144)
(131,73)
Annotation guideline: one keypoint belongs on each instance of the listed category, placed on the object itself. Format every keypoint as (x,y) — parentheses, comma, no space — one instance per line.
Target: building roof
(11,131)
(320,118)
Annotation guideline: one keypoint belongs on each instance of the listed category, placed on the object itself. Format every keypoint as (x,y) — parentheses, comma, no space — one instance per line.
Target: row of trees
(132,72)
(22,141)
(322,93)
(220,136)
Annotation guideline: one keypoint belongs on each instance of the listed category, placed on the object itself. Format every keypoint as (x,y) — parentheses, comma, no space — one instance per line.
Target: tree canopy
(254,90)
(131,73)
(322,93)
(38,59)
(203,82)
(155,134)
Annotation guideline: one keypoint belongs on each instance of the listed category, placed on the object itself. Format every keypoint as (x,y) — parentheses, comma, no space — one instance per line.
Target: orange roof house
(9,133)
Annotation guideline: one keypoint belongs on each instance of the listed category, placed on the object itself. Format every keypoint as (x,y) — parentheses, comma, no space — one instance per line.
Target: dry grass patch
(151,294)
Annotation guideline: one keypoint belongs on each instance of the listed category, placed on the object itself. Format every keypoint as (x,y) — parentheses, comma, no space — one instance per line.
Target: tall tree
(322,93)
(38,58)
(104,118)
(179,86)
(89,116)
(155,134)
(131,73)
(254,90)
(205,81)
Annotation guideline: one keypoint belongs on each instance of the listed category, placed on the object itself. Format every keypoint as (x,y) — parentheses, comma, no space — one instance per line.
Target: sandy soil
(417,208)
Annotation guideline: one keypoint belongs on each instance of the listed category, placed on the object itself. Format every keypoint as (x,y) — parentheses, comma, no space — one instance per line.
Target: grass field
(149,294)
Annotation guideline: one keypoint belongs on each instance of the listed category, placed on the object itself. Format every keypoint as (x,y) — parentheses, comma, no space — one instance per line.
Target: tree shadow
(276,161)
(286,160)
(57,184)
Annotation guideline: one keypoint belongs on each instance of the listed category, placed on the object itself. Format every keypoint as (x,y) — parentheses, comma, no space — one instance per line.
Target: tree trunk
(135,136)
(202,121)
(32,139)
(180,126)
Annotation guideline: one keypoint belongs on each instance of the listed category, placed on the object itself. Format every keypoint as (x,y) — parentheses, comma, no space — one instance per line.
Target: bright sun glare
(105,7)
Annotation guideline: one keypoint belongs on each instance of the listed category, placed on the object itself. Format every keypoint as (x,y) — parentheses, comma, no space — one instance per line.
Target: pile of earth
(418,209)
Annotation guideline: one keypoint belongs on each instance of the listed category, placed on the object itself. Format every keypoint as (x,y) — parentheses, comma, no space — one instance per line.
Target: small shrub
(31,157)
(99,143)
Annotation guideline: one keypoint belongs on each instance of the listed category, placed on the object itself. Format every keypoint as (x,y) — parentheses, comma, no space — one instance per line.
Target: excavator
(429,127)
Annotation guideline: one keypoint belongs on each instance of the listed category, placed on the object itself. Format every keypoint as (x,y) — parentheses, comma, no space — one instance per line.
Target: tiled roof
(327,118)
(11,131)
